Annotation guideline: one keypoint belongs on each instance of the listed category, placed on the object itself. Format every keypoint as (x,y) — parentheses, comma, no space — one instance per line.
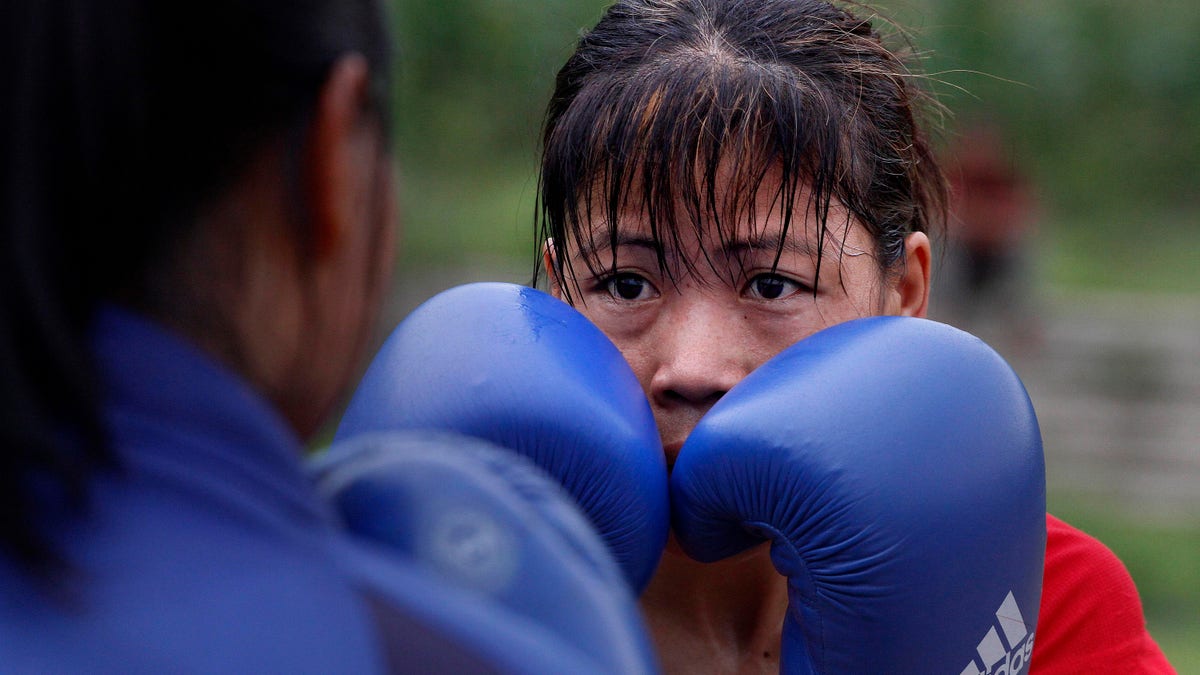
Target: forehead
(726,222)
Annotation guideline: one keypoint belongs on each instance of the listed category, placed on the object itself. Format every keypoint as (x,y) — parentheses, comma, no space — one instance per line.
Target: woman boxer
(720,179)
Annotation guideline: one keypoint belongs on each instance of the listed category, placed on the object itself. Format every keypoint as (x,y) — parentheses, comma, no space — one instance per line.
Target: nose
(701,357)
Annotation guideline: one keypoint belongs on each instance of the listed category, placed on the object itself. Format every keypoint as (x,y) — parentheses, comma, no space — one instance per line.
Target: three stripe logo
(1006,647)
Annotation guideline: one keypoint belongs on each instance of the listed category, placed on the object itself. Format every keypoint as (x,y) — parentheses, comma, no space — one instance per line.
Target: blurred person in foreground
(196,229)
(721,179)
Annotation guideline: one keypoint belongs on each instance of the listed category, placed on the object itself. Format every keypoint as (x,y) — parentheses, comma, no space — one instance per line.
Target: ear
(550,265)
(338,165)
(913,285)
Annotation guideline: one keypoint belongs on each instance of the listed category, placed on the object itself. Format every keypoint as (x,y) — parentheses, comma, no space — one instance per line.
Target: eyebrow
(772,244)
(592,248)
(735,247)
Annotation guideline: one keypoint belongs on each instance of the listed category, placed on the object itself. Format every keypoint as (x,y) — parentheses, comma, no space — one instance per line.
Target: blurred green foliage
(474,78)
(1101,104)
(1100,99)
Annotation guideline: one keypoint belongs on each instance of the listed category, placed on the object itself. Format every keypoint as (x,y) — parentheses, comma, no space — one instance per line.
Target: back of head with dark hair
(667,103)
(119,121)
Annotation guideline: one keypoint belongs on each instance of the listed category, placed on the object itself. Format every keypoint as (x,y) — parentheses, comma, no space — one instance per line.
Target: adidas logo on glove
(1008,655)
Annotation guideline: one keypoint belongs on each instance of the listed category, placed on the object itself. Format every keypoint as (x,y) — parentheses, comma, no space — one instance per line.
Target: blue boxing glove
(519,368)
(896,466)
(494,527)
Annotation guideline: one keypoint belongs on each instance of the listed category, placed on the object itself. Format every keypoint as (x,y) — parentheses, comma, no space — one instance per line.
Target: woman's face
(690,340)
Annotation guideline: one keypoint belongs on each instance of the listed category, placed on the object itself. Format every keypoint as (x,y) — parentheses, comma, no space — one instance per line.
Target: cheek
(766,336)
(640,360)
(774,336)
(843,309)
(861,292)
(631,340)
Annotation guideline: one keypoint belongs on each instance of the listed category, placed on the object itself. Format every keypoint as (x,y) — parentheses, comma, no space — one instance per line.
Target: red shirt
(1091,617)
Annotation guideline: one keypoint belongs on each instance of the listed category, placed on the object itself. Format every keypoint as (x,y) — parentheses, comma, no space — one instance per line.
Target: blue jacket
(207,550)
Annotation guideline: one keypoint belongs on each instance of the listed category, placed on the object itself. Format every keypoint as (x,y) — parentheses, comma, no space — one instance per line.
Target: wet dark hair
(121,120)
(667,103)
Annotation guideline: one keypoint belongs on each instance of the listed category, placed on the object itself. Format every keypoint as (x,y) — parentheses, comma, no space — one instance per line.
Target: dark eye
(629,287)
(772,287)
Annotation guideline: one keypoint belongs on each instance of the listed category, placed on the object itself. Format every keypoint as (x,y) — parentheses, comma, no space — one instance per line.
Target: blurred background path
(1116,383)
